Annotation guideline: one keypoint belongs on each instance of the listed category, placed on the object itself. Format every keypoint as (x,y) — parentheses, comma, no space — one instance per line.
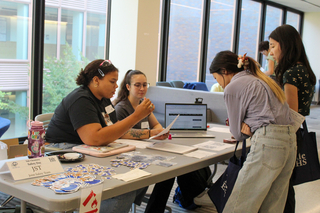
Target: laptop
(192,122)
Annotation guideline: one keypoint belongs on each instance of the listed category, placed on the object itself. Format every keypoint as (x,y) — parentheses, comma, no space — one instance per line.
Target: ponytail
(235,64)
(123,91)
(253,66)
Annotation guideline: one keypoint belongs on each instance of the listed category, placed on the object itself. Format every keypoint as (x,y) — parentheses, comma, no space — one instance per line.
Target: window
(14,30)
(184,40)
(249,28)
(50,32)
(72,39)
(220,32)
(293,19)
(71,32)
(273,20)
(14,66)
(95,36)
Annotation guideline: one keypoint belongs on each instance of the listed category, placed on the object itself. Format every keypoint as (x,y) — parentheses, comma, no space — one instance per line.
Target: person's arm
(236,114)
(153,122)
(239,100)
(291,93)
(137,134)
(155,128)
(143,134)
(270,68)
(245,129)
(96,135)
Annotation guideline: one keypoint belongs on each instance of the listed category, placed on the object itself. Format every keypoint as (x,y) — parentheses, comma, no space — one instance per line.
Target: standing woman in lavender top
(295,76)
(256,108)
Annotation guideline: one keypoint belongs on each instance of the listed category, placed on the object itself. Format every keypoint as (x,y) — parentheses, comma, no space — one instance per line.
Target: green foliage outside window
(59,78)
(58,81)
(9,105)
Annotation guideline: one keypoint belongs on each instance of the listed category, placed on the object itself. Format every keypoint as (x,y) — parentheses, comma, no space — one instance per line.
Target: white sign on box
(35,167)
(91,199)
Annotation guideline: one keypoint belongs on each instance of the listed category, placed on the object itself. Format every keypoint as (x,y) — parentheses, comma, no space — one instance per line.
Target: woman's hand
(157,131)
(144,108)
(245,129)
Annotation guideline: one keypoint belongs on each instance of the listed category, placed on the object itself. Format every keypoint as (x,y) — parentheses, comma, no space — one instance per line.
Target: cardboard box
(15,149)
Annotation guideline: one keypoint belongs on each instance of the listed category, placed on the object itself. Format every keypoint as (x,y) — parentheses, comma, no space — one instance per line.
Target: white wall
(310,36)
(148,39)
(123,37)
(134,38)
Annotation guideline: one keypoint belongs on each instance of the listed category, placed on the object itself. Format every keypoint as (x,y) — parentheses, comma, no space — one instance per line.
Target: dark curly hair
(92,69)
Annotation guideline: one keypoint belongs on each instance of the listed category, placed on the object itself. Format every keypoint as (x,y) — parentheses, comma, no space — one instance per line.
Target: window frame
(164,32)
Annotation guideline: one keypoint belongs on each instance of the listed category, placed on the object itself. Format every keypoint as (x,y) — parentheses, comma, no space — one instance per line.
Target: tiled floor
(307,195)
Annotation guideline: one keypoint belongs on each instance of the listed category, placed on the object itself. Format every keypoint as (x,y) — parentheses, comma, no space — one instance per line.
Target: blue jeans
(262,183)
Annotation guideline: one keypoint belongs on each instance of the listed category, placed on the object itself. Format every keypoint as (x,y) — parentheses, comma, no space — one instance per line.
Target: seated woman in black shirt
(87,116)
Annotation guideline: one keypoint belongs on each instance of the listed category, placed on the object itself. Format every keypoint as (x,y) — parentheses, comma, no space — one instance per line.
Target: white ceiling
(302,5)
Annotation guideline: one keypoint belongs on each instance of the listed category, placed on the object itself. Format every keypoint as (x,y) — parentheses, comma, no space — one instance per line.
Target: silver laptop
(192,122)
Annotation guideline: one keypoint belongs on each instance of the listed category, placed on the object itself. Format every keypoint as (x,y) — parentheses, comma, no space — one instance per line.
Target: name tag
(109,109)
(35,167)
(145,125)
(107,119)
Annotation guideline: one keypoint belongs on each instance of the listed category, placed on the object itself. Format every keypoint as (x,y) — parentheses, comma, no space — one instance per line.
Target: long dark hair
(227,60)
(92,69)
(292,51)
(123,91)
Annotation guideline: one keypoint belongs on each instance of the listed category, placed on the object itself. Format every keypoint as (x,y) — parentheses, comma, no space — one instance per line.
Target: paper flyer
(297,119)
(166,130)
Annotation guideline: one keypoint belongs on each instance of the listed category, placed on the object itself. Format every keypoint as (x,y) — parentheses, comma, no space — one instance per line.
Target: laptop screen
(192,116)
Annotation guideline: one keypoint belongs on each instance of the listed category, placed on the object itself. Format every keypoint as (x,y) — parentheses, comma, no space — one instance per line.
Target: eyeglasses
(105,63)
(144,85)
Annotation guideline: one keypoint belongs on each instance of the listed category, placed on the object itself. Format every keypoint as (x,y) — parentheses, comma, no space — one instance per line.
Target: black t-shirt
(124,109)
(298,76)
(77,109)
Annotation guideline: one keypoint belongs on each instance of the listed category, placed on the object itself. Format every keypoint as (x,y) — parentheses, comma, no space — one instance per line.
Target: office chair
(196,86)
(4,125)
(177,84)
(163,84)
(45,119)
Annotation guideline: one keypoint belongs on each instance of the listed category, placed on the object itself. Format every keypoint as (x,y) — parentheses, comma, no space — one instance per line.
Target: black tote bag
(307,167)
(220,191)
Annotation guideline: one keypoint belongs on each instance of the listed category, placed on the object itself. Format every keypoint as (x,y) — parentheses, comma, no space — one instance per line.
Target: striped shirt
(250,100)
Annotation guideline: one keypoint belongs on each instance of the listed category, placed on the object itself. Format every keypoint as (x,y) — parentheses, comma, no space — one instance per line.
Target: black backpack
(191,185)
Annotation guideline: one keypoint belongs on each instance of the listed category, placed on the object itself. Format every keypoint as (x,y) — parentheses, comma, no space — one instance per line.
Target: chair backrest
(177,84)
(4,125)
(196,86)
(163,84)
(45,118)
